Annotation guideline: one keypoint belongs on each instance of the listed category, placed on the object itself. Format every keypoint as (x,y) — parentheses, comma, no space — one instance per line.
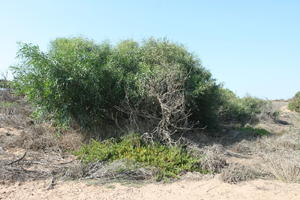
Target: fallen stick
(19,159)
(52,184)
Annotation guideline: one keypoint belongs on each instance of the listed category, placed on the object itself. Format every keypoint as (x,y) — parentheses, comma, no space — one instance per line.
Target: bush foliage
(242,110)
(294,104)
(81,80)
(169,161)
(155,81)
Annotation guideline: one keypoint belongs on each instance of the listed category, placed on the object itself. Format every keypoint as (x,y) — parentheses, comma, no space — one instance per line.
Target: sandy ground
(212,189)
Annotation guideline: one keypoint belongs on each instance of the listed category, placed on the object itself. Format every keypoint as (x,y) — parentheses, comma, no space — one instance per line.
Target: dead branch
(167,87)
(161,111)
(18,160)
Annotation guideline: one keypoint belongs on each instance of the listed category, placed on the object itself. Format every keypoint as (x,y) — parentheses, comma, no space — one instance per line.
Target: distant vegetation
(295,103)
(240,110)
(155,87)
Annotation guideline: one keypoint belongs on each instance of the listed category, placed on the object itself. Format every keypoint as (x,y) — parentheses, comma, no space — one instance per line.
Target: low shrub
(236,173)
(239,110)
(294,104)
(284,165)
(169,161)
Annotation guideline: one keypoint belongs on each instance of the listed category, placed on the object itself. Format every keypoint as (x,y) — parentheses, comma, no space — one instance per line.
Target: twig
(212,188)
(19,159)
(52,184)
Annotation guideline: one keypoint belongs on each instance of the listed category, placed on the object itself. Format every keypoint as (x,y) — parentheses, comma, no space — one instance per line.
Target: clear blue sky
(251,46)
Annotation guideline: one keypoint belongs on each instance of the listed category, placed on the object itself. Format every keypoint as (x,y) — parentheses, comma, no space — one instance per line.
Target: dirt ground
(211,189)
(27,171)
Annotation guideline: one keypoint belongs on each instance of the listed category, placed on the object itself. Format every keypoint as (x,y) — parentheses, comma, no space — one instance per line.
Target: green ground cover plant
(169,161)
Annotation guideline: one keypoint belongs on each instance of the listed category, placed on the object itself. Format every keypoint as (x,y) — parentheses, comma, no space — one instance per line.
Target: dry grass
(235,173)
(43,137)
(286,142)
(14,111)
(8,96)
(120,169)
(10,174)
(213,159)
(106,172)
(280,154)
(277,154)
(260,146)
(39,138)
(76,171)
(15,114)
(284,166)
(70,141)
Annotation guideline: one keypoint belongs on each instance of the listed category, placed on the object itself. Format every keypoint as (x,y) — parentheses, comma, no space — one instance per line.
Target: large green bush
(294,104)
(144,83)
(80,80)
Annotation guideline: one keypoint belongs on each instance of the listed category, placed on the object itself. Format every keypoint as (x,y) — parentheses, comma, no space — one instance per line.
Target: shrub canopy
(294,104)
(79,80)
(239,110)
(82,80)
